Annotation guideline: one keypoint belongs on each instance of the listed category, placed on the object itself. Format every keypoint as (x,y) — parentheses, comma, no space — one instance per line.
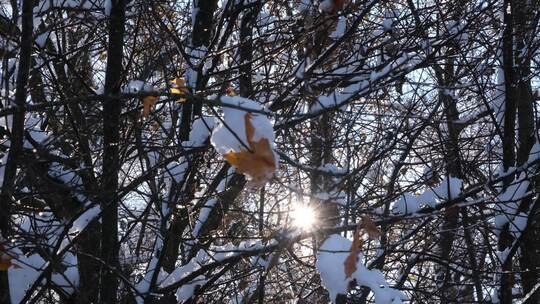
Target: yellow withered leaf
(148,103)
(258,164)
(179,87)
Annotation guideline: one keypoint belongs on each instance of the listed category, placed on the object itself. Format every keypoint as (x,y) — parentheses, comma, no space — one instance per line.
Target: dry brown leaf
(230,91)
(179,88)
(338,5)
(259,163)
(5,264)
(368,226)
(335,6)
(155,126)
(371,229)
(6,260)
(352,258)
(103,56)
(148,103)
(243,284)
(451,212)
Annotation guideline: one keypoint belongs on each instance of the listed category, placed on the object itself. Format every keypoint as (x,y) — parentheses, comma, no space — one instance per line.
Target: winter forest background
(245,151)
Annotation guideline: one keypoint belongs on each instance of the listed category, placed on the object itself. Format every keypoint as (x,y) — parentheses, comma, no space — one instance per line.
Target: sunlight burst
(304,217)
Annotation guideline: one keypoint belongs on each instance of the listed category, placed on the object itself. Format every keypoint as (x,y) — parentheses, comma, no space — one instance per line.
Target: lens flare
(304,217)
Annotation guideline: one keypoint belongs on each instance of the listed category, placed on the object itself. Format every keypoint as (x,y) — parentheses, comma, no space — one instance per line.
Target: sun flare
(304,217)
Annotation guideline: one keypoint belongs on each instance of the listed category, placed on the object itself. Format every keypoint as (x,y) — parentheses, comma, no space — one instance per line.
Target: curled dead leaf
(258,163)
(368,226)
(352,258)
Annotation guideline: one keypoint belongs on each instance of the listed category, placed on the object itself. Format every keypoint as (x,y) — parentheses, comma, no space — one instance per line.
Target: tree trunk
(17,135)
(445,75)
(111,137)
(529,264)
(202,32)
(246,50)
(505,291)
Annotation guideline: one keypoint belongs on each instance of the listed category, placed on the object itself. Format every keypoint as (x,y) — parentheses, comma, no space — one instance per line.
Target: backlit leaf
(352,258)
(368,226)
(258,162)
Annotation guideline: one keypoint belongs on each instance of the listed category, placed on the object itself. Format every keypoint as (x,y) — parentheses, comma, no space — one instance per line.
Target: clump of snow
(508,201)
(330,259)
(326,6)
(194,13)
(534,155)
(33,125)
(301,69)
(143,286)
(330,266)
(185,292)
(407,204)
(332,169)
(84,219)
(389,18)
(30,267)
(203,216)
(259,261)
(220,253)
(340,28)
(519,223)
(3,160)
(304,5)
(108,7)
(207,208)
(177,170)
(338,97)
(448,189)
(387,24)
(499,98)
(135,86)
(200,132)
(64,174)
(20,279)
(196,57)
(214,254)
(41,39)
